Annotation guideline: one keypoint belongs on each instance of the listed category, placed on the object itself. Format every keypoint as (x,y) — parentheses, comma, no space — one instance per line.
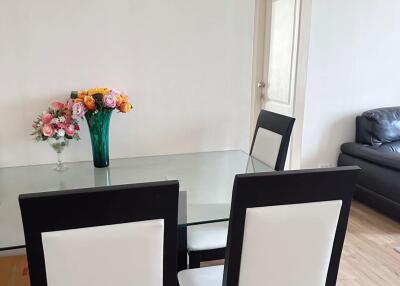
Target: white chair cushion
(205,276)
(207,236)
(266,146)
(288,244)
(121,254)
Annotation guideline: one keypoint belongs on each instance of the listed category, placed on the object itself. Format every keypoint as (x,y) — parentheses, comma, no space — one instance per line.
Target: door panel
(280,55)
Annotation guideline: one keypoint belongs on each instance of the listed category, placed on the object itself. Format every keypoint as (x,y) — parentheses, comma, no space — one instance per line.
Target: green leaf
(74,94)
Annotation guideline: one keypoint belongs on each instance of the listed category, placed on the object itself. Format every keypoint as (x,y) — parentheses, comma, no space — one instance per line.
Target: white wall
(186,65)
(354,62)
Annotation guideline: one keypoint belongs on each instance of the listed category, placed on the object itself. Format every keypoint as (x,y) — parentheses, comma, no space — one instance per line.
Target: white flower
(61,132)
(61,119)
(55,121)
(115,92)
(78,110)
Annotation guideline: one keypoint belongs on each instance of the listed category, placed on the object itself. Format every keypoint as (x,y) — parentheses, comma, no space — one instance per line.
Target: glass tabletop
(206,181)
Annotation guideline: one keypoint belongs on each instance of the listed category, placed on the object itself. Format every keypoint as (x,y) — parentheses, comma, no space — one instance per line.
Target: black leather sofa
(377,152)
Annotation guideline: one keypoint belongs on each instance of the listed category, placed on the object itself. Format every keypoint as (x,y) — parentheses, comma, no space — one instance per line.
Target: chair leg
(194,259)
(182,249)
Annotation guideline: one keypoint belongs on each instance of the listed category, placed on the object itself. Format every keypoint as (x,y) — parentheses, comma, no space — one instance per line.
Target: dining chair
(119,235)
(270,145)
(286,228)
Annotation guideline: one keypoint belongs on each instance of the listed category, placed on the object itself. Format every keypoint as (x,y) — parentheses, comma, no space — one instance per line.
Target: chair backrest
(118,235)
(288,228)
(271,139)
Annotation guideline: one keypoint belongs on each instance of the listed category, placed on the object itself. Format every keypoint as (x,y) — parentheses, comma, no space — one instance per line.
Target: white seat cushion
(207,236)
(205,276)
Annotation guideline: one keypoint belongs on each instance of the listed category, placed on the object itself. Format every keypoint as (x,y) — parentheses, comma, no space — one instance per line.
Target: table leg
(182,248)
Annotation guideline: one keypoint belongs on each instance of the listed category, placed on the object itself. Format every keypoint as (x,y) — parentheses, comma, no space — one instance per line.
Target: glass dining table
(206,182)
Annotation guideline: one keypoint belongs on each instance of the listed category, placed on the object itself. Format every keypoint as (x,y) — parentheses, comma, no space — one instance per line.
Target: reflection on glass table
(206,181)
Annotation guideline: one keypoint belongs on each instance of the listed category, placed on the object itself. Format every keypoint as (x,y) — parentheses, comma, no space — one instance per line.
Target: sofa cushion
(378,126)
(390,147)
(373,154)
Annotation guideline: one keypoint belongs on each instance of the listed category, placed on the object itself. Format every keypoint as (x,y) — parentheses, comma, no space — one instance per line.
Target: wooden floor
(14,271)
(368,256)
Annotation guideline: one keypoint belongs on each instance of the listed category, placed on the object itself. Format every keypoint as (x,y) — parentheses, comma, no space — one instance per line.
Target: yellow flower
(125,107)
(89,102)
(98,90)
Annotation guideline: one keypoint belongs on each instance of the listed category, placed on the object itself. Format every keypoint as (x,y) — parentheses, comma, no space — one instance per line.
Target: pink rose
(56,105)
(46,118)
(78,110)
(48,130)
(61,125)
(68,119)
(109,101)
(70,130)
(70,103)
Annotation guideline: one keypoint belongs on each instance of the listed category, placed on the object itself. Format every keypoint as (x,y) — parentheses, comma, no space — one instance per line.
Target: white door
(280,53)
(276,77)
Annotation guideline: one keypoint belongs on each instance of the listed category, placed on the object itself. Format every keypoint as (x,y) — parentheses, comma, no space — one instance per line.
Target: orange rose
(125,107)
(121,99)
(89,102)
(82,94)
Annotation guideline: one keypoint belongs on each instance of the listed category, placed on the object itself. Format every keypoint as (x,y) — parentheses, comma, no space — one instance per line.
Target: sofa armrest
(373,155)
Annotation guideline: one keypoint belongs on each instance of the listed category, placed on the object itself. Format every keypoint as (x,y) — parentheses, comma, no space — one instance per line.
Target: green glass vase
(99,125)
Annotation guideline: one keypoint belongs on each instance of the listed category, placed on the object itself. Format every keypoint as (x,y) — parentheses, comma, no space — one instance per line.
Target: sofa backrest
(378,126)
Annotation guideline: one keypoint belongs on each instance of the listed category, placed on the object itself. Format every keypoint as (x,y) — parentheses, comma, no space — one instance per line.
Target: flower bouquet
(97,105)
(57,126)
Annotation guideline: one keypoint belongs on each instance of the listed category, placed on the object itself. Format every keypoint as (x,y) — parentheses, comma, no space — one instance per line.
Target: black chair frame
(283,188)
(280,124)
(274,122)
(52,211)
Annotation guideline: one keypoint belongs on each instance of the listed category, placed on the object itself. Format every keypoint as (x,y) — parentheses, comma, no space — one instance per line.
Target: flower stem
(59,160)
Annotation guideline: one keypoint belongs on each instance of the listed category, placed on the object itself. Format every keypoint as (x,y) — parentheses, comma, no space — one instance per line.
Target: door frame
(260,36)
